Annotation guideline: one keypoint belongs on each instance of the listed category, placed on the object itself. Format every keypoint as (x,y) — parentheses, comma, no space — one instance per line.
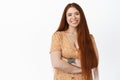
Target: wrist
(71,60)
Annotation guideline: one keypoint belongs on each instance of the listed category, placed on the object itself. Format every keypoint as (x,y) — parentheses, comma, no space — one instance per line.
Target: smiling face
(73,17)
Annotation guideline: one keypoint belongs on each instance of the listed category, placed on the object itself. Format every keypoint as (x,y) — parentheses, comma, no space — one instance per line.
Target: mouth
(74,22)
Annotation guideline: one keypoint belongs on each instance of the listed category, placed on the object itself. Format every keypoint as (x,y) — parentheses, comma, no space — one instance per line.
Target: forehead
(72,10)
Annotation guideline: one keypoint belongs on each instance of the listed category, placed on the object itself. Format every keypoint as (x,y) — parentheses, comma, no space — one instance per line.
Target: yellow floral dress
(60,42)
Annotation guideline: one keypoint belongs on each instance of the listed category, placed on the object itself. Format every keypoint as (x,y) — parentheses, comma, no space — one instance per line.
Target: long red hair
(88,57)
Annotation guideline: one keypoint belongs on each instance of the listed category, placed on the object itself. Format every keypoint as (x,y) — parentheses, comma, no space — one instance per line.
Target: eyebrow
(71,13)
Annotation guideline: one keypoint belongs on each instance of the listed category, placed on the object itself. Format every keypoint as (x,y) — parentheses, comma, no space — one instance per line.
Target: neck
(72,30)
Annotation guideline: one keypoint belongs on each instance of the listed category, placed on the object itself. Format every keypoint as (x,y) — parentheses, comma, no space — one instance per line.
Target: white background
(26,27)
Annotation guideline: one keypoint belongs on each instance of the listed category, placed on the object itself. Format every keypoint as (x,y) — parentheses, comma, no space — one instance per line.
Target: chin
(74,25)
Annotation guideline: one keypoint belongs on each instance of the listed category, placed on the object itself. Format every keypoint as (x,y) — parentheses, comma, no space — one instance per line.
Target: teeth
(74,21)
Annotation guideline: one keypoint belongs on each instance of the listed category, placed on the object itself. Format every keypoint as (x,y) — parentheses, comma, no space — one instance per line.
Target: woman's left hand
(77,63)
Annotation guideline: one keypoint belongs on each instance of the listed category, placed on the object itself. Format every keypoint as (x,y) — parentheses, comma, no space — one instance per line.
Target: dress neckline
(70,41)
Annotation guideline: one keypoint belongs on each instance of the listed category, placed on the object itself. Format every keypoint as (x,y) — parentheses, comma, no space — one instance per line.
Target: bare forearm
(66,67)
(95,73)
(59,63)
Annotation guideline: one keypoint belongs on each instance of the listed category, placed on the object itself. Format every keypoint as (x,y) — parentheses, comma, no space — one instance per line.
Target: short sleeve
(94,45)
(91,36)
(56,42)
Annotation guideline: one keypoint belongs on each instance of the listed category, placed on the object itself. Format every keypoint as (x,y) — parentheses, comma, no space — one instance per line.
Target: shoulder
(91,36)
(93,39)
(58,33)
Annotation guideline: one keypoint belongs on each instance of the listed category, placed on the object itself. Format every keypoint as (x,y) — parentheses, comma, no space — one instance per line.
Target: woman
(74,55)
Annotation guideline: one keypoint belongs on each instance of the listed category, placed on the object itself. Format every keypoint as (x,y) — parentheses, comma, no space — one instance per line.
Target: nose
(73,16)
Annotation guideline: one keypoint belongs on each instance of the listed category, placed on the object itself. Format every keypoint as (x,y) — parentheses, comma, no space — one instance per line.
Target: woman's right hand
(77,62)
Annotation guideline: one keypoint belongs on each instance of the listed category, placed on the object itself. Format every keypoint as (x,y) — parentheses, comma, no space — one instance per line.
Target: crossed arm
(61,63)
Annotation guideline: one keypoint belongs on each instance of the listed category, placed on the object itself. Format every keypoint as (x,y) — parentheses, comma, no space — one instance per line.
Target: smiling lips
(74,22)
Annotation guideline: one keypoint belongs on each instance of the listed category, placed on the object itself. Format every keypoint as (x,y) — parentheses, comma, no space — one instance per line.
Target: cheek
(68,19)
(79,18)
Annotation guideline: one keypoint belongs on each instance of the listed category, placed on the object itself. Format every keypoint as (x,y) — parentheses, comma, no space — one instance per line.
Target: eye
(77,13)
(69,14)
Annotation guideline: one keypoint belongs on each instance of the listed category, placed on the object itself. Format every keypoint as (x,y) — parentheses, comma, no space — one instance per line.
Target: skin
(73,19)
(58,62)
